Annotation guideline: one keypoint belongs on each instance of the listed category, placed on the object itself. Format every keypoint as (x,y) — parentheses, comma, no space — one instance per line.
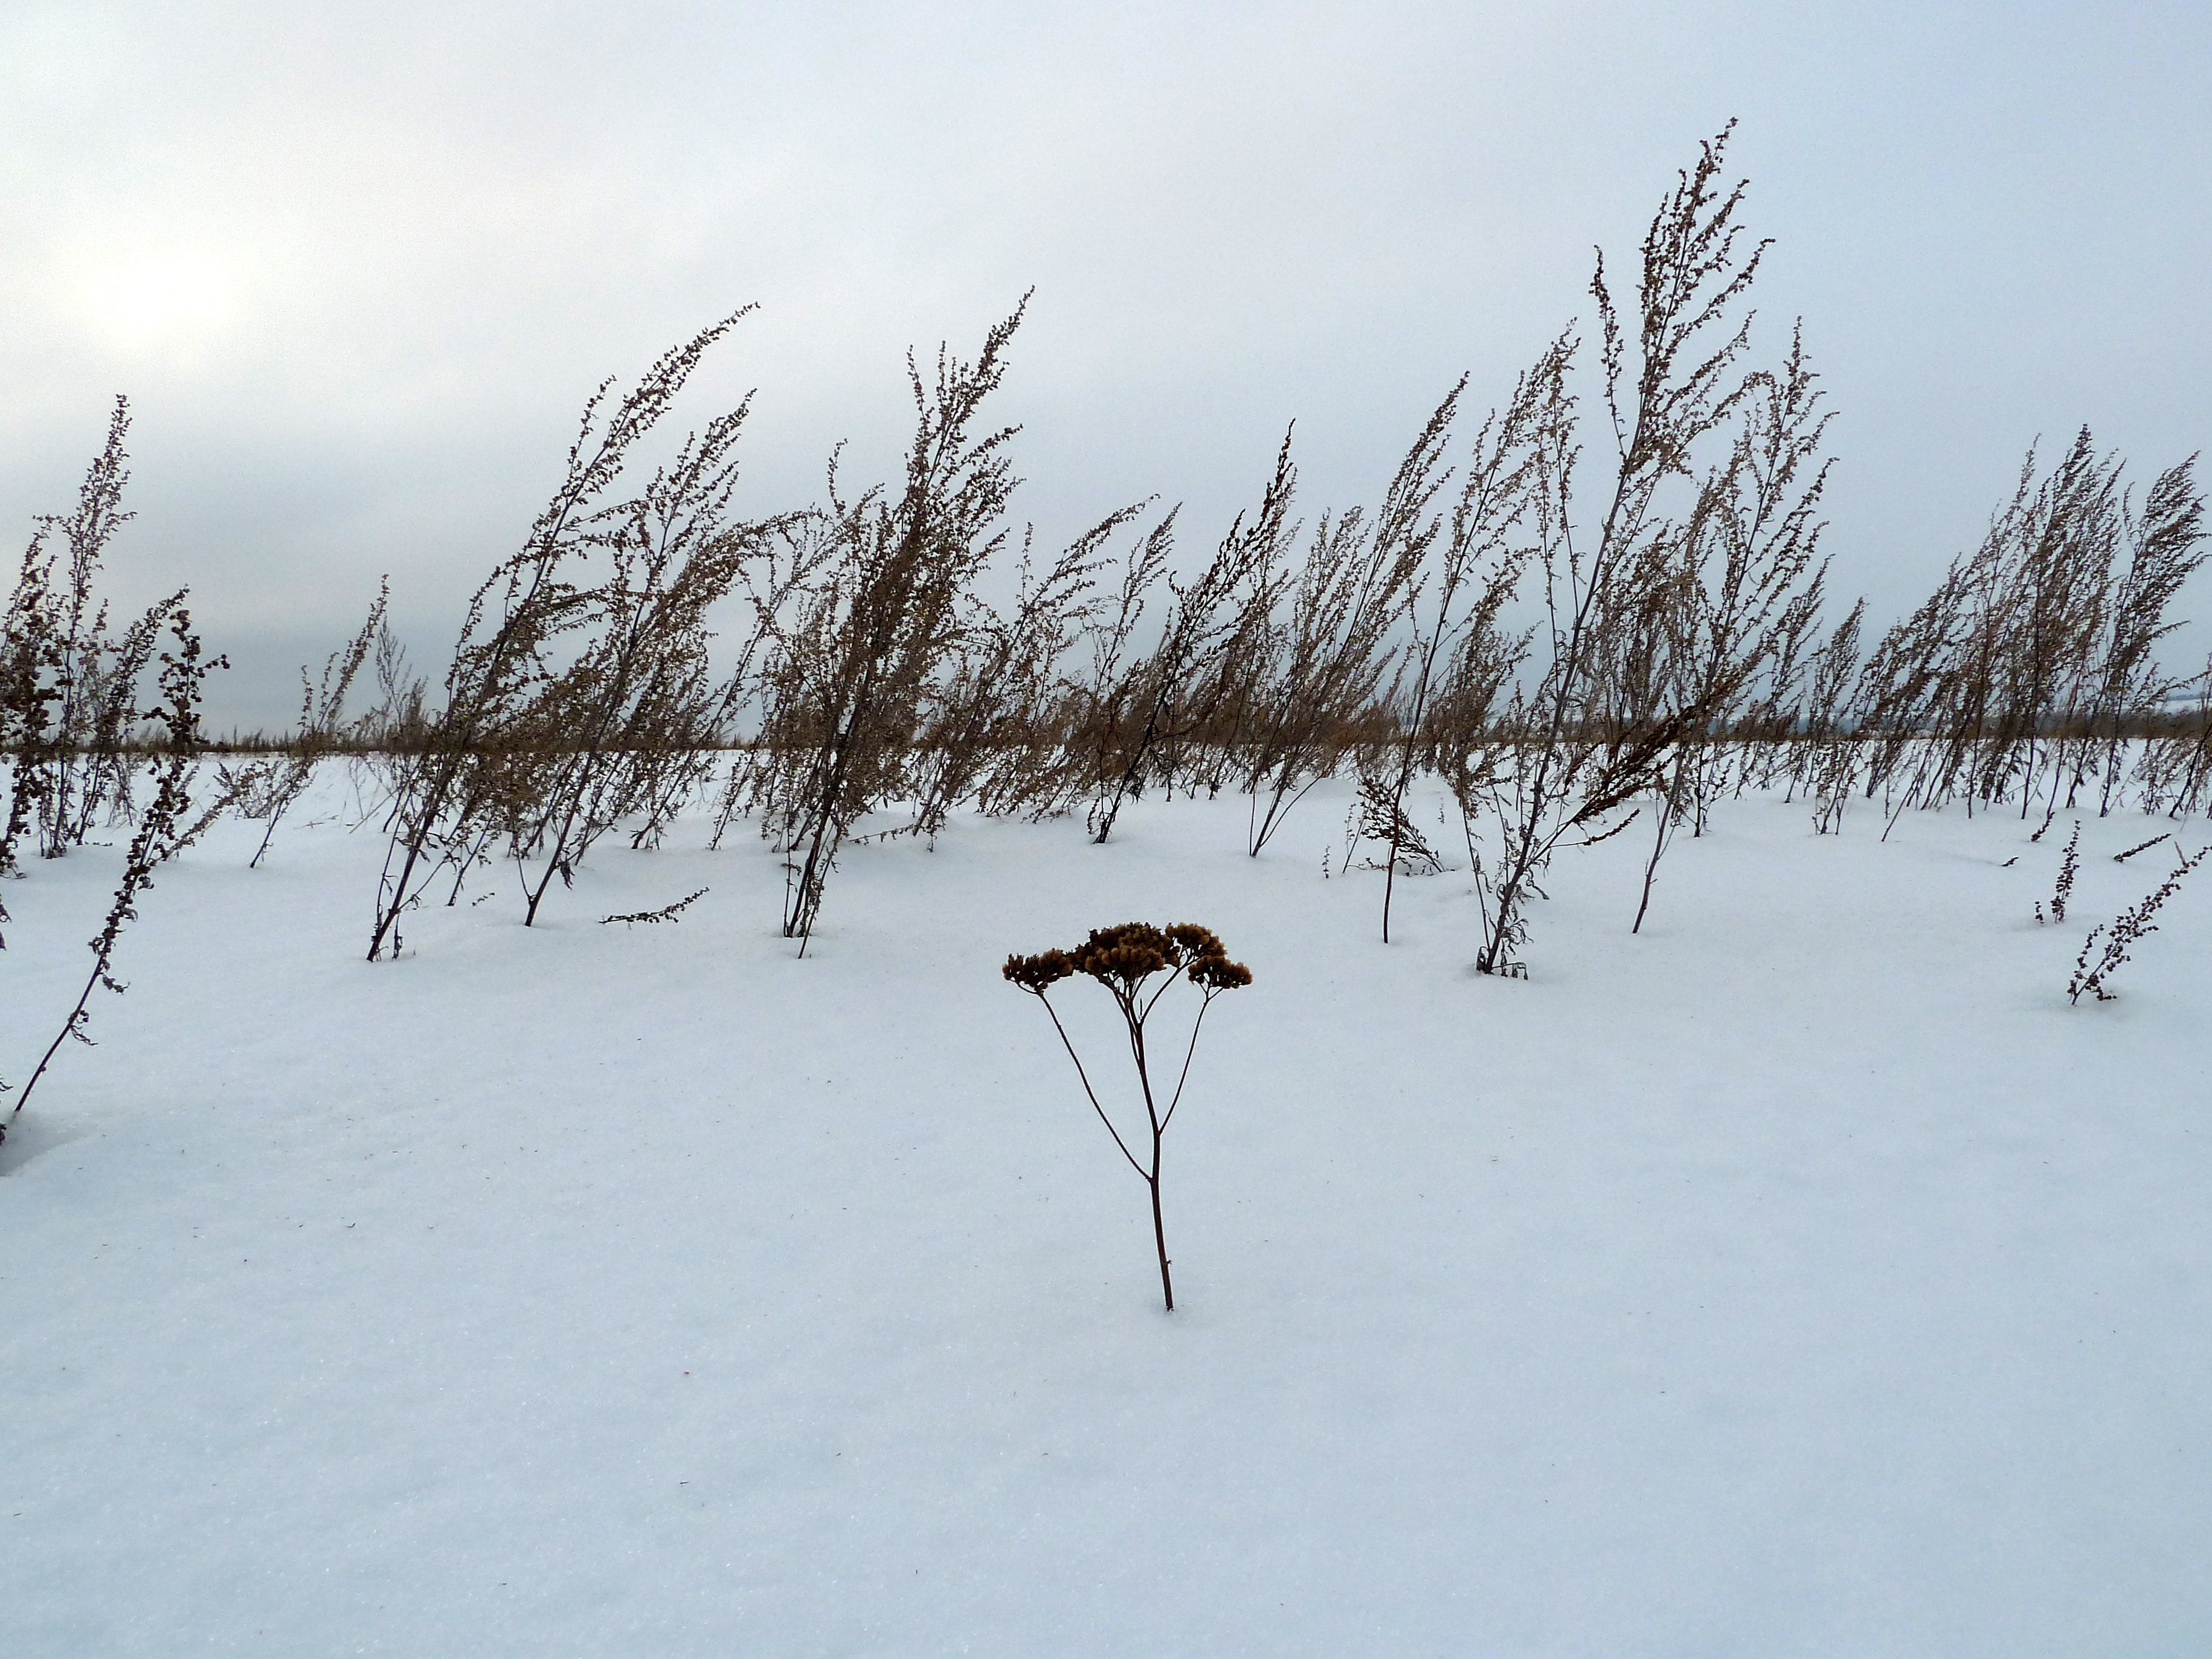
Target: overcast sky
(358,266)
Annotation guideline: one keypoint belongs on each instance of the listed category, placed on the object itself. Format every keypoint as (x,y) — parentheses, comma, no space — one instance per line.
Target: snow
(1801,1277)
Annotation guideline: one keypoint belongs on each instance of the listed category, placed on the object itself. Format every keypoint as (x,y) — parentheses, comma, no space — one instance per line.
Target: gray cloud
(358,267)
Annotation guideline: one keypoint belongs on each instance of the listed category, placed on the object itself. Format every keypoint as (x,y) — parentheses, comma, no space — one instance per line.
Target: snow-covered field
(1803,1277)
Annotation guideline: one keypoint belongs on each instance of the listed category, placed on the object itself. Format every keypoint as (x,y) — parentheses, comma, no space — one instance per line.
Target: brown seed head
(1034,973)
(1219,973)
(1123,957)
(1194,942)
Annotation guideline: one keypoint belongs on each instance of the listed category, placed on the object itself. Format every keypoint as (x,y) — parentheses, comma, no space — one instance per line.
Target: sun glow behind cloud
(173,303)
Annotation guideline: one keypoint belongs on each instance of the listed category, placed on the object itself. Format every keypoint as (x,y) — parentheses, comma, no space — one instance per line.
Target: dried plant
(2024,672)
(1475,574)
(1901,698)
(511,716)
(630,725)
(1378,814)
(29,688)
(1208,649)
(1102,708)
(266,789)
(1207,744)
(2140,846)
(848,683)
(2164,548)
(2175,763)
(93,708)
(1126,960)
(1598,724)
(400,722)
(1829,750)
(2119,941)
(69,688)
(1752,584)
(665,913)
(2069,866)
(161,831)
(996,733)
(2047,614)
(1332,656)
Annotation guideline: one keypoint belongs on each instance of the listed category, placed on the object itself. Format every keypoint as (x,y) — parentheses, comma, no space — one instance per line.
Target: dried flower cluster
(1121,958)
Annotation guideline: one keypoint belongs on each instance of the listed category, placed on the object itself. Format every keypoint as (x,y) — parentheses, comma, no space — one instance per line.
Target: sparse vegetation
(1561,676)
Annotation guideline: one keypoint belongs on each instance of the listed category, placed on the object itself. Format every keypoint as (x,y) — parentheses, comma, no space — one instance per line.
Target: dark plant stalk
(1124,960)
